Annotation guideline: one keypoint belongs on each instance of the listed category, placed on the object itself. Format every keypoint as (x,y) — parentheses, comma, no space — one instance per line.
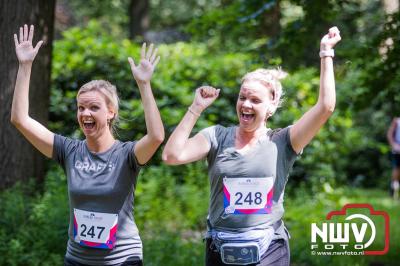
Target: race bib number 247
(95,229)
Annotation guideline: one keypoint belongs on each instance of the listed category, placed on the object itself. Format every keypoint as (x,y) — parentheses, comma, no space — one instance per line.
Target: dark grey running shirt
(247,189)
(100,183)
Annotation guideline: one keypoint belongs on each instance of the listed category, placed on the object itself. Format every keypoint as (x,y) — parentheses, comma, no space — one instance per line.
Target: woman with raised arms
(248,164)
(101,170)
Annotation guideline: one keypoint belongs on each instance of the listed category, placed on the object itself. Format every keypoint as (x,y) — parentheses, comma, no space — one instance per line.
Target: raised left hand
(331,39)
(148,61)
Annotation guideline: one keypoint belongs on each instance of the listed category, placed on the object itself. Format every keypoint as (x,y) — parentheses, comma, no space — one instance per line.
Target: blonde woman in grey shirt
(248,164)
(101,171)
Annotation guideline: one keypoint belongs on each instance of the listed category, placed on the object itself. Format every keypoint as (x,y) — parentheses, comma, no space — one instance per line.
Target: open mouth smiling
(88,123)
(247,115)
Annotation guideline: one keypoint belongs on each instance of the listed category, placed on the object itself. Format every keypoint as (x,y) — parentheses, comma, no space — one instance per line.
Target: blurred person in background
(393,136)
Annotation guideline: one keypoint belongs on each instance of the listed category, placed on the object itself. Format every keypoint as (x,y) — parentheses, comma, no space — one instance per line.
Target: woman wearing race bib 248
(248,164)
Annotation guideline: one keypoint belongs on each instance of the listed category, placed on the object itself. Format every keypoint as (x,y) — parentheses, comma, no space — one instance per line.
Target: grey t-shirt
(260,176)
(102,183)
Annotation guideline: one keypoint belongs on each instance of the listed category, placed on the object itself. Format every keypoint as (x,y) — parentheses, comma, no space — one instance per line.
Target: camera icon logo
(359,233)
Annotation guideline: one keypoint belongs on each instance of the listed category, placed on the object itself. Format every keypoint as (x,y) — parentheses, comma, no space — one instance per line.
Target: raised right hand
(148,61)
(204,97)
(330,39)
(26,53)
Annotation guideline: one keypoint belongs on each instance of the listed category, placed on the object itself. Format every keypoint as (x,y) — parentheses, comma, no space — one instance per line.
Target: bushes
(83,55)
(171,202)
(170,214)
(90,53)
(164,192)
(34,227)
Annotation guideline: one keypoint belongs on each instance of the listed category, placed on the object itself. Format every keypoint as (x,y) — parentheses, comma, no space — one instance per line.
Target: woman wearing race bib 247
(101,171)
(248,164)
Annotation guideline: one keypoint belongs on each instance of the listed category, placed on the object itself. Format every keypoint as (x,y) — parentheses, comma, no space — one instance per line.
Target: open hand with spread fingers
(148,61)
(26,53)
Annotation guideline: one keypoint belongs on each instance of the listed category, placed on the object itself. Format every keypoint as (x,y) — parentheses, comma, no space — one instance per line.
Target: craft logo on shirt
(92,167)
(356,229)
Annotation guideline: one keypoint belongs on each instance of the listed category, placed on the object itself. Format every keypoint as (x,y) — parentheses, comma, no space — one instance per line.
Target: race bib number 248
(248,195)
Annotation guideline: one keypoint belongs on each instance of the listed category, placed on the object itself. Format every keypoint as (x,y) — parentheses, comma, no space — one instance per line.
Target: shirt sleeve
(209,134)
(285,160)
(289,148)
(61,148)
(212,134)
(132,160)
(282,139)
(286,153)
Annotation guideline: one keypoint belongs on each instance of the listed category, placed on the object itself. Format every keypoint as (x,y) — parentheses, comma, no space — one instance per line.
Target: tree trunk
(138,18)
(19,161)
(271,26)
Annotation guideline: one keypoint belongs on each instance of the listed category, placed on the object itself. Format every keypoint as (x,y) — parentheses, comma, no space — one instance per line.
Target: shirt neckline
(249,150)
(103,152)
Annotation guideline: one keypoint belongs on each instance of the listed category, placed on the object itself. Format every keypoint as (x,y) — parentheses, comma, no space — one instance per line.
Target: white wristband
(193,112)
(327,53)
